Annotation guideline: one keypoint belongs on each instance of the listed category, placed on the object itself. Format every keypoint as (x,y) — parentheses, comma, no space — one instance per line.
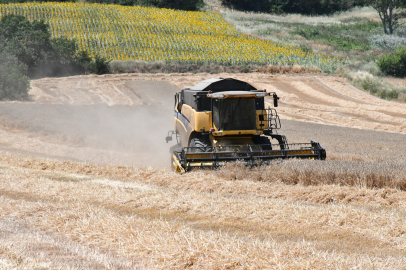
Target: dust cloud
(98,133)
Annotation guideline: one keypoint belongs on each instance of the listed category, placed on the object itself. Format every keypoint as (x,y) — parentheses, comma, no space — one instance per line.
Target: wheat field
(65,215)
(75,193)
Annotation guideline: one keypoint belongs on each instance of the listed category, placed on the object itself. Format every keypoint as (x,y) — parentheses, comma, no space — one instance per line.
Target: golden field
(64,215)
(79,191)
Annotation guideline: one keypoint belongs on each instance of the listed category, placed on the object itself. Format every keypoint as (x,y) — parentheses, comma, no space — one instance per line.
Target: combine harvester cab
(225,120)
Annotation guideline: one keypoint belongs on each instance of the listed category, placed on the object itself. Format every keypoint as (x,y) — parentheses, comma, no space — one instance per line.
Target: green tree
(394,64)
(308,7)
(14,84)
(99,65)
(390,12)
(32,45)
(64,59)
(29,42)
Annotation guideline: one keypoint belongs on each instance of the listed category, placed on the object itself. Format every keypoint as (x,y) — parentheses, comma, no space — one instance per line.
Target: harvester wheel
(263,141)
(201,144)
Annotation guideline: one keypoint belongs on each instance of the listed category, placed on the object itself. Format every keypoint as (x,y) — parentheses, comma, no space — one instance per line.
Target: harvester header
(224,120)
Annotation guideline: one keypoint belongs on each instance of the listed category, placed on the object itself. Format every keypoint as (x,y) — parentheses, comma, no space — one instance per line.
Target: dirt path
(92,119)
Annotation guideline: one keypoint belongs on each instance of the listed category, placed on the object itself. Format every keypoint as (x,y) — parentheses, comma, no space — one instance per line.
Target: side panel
(202,121)
(188,113)
(262,120)
(181,130)
(185,123)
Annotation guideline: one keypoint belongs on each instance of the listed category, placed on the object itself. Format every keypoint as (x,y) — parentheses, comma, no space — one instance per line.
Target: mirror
(275,100)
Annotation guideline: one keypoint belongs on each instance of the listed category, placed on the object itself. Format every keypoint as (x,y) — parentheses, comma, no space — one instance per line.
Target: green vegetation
(358,38)
(387,42)
(32,45)
(374,85)
(394,64)
(344,37)
(380,89)
(355,35)
(28,51)
(100,65)
(29,42)
(308,7)
(14,83)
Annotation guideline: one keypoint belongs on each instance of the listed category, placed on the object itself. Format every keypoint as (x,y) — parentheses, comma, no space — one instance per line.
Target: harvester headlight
(215,95)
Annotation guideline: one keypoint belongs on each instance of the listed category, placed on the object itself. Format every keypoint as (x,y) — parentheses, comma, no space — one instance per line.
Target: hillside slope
(151,34)
(57,213)
(106,119)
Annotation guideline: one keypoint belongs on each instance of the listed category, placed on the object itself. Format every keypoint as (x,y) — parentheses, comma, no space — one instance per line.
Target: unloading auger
(225,120)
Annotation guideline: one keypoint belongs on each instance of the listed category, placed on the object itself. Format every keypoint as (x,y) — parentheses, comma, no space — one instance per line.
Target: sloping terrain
(67,201)
(315,98)
(123,119)
(158,34)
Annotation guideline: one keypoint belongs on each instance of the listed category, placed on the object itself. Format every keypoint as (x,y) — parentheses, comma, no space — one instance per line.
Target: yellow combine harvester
(223,120)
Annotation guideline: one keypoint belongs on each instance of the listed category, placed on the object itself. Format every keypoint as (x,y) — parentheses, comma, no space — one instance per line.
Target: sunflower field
(152,34)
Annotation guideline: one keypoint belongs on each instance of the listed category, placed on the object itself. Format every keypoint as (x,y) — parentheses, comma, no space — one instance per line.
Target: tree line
(306,7)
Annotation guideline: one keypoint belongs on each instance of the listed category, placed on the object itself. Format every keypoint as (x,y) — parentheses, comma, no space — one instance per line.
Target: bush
(14,84)
(387,42)
(375,85)
(372,85)
(394,64)
(99,65)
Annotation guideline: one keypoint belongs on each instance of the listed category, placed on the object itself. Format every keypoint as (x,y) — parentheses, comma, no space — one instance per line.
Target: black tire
(202,145)
(283,143)
(263,141)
